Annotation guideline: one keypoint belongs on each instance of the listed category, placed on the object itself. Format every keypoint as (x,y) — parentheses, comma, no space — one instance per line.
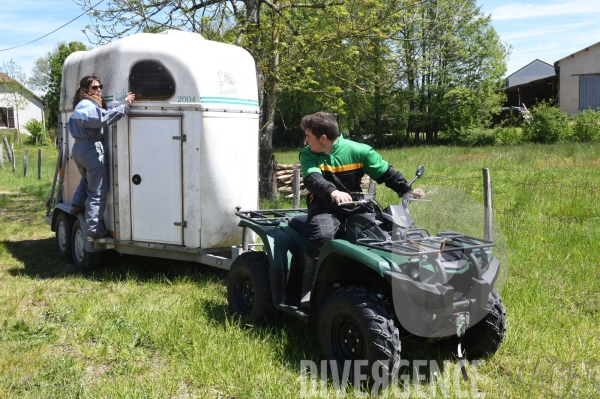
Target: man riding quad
(332,168)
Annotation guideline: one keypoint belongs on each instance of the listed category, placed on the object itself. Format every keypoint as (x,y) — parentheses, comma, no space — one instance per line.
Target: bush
(470,137)
(548,124)
(37,130)
(508,135)
(587,126)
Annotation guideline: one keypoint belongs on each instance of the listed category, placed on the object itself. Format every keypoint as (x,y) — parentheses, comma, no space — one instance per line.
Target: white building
(580,80)
(32,107)
(535,70)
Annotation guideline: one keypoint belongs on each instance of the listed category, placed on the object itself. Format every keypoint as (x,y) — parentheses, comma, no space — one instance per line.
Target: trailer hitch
(462,322)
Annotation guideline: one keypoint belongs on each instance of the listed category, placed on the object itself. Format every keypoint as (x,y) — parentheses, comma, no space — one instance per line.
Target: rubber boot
(310,265)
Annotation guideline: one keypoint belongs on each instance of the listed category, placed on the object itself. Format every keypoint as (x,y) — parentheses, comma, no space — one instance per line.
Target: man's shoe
(75,210)
(100,234)
(305,301)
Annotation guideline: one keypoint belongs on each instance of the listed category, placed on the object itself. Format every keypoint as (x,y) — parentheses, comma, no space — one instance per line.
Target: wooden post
(12,154)
(1,156)
(39,163)
(7,147)
(488,203)
(296,181)
(25,161)
(372,187)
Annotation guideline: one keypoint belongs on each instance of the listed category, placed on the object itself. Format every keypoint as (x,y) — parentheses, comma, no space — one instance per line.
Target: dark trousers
(324,223)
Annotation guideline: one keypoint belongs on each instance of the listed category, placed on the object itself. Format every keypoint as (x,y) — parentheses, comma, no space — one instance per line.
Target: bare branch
(322,6)
(278,11)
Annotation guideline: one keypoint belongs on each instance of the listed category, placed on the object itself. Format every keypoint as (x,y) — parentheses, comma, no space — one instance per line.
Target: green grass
(150,328)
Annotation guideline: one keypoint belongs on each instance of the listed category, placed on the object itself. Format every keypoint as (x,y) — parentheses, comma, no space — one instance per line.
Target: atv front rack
(271,217)
(443,242)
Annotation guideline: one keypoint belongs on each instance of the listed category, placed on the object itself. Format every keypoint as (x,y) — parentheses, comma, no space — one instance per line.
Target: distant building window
(151,81)
(7,118)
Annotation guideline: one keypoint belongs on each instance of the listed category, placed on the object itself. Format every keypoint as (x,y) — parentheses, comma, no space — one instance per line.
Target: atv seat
(298,223)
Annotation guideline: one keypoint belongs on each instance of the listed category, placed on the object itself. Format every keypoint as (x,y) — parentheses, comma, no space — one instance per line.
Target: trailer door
(156,178)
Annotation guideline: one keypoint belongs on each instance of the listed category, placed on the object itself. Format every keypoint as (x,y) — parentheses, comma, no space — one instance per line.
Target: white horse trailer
(179,163)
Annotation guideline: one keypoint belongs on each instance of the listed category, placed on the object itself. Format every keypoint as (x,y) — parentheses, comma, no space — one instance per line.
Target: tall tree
(12,89)
(47,77)
(453,67)
(257,25)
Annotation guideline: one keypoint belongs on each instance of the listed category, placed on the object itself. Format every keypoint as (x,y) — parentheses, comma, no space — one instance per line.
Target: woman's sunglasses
(97,87)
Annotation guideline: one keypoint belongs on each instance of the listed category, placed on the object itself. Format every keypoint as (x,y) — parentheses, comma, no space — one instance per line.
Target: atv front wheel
(356,325)
(484,338)
(249,288)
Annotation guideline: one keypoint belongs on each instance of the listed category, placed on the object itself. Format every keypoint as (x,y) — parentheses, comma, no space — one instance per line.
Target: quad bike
(382,279)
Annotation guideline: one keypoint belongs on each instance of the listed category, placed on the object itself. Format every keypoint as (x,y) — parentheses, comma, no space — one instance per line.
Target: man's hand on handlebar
(338,196)
(417,193)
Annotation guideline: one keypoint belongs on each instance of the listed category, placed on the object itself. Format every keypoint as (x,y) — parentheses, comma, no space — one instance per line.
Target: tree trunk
(268,186)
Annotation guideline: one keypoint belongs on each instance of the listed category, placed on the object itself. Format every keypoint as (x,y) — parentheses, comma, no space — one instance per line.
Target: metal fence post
(488,203)
(7,147)
(25,162)
(372,187)
(296,188)
(39,163)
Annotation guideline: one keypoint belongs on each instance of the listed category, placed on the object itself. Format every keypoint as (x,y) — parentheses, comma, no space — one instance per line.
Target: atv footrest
(295,310)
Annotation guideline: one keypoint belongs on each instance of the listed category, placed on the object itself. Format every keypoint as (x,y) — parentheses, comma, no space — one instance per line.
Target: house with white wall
(32,106)
(579,87)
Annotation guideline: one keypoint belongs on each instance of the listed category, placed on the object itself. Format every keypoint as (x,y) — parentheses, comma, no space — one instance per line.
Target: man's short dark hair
(321,123)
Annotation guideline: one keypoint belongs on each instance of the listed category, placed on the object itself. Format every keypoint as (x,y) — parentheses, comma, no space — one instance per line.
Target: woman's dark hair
(321,123)
(84,84)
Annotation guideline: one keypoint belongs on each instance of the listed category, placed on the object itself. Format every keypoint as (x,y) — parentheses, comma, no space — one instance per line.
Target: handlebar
(360,202)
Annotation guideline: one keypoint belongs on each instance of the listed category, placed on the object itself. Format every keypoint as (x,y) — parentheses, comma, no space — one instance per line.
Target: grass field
(149,328)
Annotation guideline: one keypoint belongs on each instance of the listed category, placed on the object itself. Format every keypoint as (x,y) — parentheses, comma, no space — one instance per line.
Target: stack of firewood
(285,180)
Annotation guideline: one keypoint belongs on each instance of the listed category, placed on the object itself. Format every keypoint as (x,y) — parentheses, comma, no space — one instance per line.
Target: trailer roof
(206,73)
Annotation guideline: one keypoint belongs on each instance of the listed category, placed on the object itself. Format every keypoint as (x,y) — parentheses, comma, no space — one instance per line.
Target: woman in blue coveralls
(86,125)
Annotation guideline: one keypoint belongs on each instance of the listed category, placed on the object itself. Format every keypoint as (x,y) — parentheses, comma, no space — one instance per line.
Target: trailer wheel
(82,258)
(357,325)
(249,288)
(64,229)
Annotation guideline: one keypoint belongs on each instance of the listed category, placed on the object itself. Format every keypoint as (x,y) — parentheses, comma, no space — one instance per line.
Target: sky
(535,29)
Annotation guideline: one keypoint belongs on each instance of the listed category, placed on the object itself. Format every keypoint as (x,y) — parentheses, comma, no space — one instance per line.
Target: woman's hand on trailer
(129,99)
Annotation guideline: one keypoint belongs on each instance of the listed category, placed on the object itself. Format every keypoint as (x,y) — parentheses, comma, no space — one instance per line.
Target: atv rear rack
(443,242)
(271,217)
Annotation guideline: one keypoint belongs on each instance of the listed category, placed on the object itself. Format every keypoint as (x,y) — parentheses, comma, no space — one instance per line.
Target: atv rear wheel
(249,288)
(484,338)
(356,325)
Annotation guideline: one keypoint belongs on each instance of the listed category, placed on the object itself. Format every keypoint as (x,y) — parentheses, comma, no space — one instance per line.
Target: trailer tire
(484,338)
(82,258)
(249,289)
(63,238)
(357,325)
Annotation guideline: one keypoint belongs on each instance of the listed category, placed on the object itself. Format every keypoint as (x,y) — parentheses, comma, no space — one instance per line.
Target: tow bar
(462,322)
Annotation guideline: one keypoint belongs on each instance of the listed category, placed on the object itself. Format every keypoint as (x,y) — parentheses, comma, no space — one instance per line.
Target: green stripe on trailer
(227,100)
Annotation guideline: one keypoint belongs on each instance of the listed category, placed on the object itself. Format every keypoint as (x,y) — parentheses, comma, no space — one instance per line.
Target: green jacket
(344,168)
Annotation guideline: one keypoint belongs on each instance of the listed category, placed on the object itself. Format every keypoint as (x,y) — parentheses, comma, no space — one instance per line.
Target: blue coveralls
(86,125)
